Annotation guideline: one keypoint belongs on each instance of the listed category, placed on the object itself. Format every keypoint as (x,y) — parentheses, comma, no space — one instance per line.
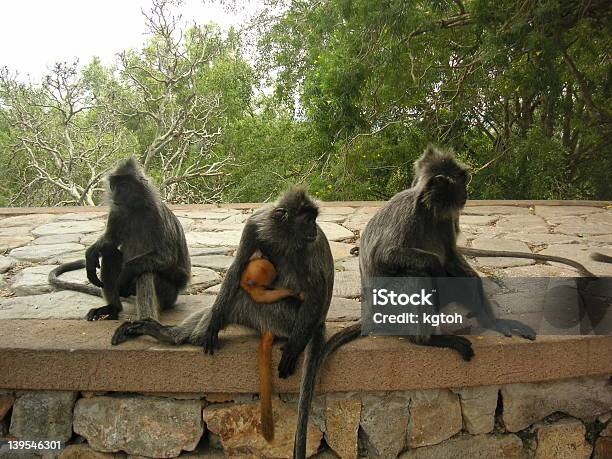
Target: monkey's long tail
(265,386)
(470,252)
(596,256)
(316,356)
(71,266)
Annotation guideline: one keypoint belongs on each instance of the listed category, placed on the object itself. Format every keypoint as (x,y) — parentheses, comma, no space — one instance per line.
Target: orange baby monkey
(256,279)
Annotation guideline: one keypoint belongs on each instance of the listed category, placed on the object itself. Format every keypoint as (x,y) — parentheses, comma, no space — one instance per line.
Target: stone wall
(556,419)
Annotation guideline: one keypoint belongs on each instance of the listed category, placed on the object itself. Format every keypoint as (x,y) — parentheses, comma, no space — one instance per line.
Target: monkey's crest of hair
(435,157)
(277,222)
(440,181)
(131,170)
(297,199)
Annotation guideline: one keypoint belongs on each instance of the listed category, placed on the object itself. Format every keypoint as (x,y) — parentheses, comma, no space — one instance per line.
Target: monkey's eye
(280,213)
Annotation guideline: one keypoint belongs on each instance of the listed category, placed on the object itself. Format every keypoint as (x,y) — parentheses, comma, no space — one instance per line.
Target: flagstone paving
(31,245)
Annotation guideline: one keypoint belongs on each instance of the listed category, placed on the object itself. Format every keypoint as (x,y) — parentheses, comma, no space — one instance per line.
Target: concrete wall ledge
(77,355)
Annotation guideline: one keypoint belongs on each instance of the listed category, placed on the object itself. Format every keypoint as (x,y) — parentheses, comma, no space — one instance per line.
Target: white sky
(34,34)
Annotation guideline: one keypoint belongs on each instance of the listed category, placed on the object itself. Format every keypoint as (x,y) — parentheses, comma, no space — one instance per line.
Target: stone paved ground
(31,245)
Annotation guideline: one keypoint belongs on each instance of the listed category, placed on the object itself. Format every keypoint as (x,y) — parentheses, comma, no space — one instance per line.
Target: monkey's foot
(107,312)
(288,362)
(129,330)
(210,341)
(508,326)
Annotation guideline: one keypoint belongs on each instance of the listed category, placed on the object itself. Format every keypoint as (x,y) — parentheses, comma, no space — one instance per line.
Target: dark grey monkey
(415,234)
(143,250)
(288,235)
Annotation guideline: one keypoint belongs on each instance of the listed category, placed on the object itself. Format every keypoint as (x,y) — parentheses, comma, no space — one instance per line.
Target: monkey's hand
(107,312)
(288,362)
(92,263)
(508,326)
(210,340)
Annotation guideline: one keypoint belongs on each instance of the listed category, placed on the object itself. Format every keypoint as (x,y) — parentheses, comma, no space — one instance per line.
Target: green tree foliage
(521,90)
(340,95)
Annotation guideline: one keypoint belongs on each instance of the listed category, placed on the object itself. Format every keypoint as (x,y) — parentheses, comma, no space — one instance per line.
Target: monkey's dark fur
(288,235)
(143,250)
(596,256)
(415,235)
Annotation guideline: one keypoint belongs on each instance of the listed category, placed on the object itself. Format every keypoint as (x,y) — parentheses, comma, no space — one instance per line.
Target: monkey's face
(299,224)
(126,191)
(445,187)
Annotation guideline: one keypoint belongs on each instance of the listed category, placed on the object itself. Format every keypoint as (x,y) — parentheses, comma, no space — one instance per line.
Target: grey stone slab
(600,218)
(57,305)
(331,218)
(495,210)
(215,225)
(560,211)
(335,232)
(538,270)
(566,219)
(212,214)
(6,263)
(341,250)
(336,210)
(344,310)
(11,242)
(580,253)
(186,223)
(81,216)
(222,238)
(478,220)
(236,218)
(66,257)
(348,264)
(543,238)
(216,262)
(87,226)
(27,220)
(347,284)
(359,219)
(15,231)
(90,238)
(522,223)
(504,245)
(214,290)
(195,251)
(601,239)
(34,280)
(57,239)
(37,253)
(584,229)
(203,278)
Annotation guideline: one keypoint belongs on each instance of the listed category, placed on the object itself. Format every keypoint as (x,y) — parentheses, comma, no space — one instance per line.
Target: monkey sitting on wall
(288,234)
(143,250)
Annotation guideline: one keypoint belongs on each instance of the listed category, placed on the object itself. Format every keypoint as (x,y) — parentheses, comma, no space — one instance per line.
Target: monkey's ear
(430,152)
